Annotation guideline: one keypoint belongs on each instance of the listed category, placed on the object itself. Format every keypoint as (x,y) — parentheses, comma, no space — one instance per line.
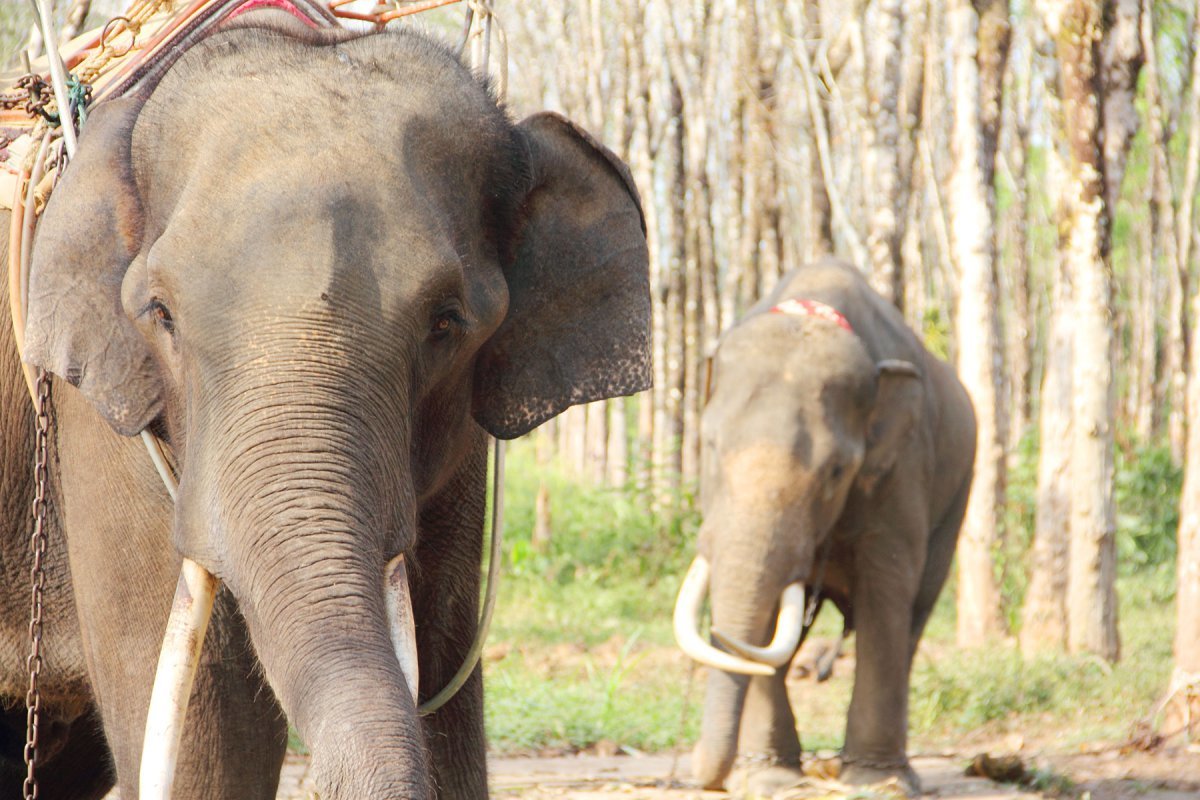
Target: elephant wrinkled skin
(322,266)
(851,449)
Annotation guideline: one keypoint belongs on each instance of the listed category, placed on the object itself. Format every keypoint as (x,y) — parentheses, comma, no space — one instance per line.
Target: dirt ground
(1166,774)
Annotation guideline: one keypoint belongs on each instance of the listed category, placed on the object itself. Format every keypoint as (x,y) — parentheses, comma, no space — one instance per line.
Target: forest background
(1020,178)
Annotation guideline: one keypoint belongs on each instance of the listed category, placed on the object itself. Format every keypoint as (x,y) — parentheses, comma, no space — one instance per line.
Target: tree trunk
(822,128)
(597,441)
(542,529)
(1092,600)
(641,162)
(972,236)
(1044,617)
(820,226)
(618,444)
(1020,324)
(1185,232)
(675,288)
(882,87)
(1121,58)
(911,106)
(1161,379)
(1186,699)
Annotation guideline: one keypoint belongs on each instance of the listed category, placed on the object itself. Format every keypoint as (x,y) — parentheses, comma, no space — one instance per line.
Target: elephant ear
(87,237)
(578,323)
(899,394)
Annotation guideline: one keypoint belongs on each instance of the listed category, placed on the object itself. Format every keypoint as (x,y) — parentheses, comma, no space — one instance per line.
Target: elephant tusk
(687,628)
(402,623)
(788,627)
(190,613)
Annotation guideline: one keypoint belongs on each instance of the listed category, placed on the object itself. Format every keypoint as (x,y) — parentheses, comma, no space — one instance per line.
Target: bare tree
(1159,383)
(1044,616)
(882,88)
(1186,679)
(1092,601)
(979,35)
(1019,323)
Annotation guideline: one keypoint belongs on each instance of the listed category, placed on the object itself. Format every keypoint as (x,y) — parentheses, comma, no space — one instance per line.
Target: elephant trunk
(715,753)
(751,595)
(321,630)
(304,525)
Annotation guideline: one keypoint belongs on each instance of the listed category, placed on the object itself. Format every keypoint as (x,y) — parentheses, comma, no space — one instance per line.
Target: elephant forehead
(371,110)
(765,473)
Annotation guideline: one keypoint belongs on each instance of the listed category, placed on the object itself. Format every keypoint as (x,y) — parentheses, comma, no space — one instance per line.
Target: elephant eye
(444,323)
(162,316)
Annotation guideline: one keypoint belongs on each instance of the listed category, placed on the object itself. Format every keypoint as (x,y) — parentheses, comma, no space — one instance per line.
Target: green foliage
(15,22)
(1019,516)
(1148,485)
(597,532)
(936,333)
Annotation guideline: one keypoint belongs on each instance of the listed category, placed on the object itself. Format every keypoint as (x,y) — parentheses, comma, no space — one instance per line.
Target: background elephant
(837,454)
(322,267)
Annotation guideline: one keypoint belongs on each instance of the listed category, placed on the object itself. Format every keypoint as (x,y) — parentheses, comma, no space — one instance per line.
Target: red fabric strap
(802,307)
(285,5)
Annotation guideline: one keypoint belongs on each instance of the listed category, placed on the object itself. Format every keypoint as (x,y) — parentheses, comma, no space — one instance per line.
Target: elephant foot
(858,773)
(764,782)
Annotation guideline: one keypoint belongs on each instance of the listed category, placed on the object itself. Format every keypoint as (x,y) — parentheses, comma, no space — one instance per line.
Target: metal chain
(32,91)
(37,574)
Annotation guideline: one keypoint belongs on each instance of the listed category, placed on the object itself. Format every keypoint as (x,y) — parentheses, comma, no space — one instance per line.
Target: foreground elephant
(838,455)
(322,267)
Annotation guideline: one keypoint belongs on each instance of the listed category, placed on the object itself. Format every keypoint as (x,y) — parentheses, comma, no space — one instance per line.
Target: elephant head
(317,266)
(801,425)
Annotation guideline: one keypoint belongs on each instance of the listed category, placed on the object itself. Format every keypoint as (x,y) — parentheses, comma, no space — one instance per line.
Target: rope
(111,46)
(493,587)
(480,13)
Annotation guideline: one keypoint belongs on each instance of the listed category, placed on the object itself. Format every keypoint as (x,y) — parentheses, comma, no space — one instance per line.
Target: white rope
(481,12)
(493,587)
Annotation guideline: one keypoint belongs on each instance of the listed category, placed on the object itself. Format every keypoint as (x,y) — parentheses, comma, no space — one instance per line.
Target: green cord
(80,95)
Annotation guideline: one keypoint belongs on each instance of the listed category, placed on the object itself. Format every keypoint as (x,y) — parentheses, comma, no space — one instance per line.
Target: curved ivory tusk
(687,633)
(401,623)
(190,612)
(788,627)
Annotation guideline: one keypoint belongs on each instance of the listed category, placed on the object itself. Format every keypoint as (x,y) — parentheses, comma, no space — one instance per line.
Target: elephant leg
(942,541)
(446,604)
(888,569)
(234,734)
(124,570)
(73,760)
(768,743)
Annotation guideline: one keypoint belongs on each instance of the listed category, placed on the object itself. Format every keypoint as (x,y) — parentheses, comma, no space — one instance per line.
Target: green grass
(581,649)
(1080,697)
(630,697)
